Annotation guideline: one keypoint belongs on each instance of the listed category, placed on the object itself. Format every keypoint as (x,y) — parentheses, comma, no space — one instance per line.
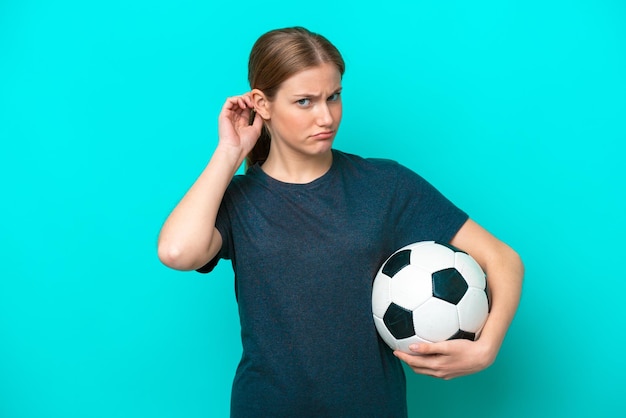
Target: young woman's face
(306,111)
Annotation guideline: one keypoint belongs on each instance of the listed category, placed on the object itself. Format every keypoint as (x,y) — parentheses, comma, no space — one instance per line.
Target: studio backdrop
(515,110)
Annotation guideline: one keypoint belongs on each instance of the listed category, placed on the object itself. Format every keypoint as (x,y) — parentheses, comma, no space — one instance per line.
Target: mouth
(323,135)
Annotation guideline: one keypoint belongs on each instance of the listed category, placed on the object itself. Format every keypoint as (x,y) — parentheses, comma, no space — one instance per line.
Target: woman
(306,229)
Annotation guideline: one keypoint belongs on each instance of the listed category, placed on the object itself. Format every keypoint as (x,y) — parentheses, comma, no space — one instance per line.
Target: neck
(297,169)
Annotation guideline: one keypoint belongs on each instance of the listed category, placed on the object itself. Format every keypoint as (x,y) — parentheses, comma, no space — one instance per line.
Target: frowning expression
(305,113)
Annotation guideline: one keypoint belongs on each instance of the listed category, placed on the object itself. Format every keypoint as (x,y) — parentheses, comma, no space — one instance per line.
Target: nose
(324,116)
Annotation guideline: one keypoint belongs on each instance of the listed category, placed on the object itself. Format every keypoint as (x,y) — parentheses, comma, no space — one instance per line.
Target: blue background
(108,111)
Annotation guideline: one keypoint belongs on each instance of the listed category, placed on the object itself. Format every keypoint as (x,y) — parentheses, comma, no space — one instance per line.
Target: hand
(233,124)
(448,359)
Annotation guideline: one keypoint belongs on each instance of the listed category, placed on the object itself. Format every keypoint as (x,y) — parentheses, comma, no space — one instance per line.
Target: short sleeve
(422,212)
(222,223)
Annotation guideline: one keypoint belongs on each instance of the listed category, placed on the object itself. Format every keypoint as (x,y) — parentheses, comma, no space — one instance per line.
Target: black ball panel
(463,335)
(449,285)
(397,262)
(399,321)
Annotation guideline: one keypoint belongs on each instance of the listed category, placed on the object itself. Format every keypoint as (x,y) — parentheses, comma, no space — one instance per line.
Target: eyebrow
(337,90)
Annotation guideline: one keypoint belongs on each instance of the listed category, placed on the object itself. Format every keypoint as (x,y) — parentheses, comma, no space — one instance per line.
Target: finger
(413,360)
(242,103)
(419,364)
(231,105)
(430,365)
(248,99)
(235,102)
(422,348)
(429,348)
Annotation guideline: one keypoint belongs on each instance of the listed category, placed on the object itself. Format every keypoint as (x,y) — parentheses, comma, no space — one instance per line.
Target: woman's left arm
(505,271)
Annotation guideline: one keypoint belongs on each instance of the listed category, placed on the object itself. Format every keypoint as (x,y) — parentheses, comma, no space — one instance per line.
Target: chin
(324,147)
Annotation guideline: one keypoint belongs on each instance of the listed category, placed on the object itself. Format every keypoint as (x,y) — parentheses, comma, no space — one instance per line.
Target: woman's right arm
(188,238)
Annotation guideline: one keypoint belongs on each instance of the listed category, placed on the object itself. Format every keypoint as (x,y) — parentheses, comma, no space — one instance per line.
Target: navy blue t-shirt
(304,258)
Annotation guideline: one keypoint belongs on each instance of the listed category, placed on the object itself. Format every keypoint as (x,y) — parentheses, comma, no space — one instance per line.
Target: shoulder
(345,159)
(373,167)
(243,186)
(251,177)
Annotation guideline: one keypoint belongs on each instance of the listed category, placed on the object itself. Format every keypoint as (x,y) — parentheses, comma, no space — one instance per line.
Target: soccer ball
(429,292)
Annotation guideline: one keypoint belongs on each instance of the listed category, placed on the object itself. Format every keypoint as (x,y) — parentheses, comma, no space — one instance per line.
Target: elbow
(504,259)
(522,268)
(172,256)
(514,260)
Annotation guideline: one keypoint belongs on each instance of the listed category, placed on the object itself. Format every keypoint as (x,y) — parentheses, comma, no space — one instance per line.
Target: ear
(261,103)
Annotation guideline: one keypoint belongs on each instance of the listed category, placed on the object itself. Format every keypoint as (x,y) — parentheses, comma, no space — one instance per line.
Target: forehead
(322,78)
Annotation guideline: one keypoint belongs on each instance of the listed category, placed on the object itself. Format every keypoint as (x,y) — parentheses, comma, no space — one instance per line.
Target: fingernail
(414,347)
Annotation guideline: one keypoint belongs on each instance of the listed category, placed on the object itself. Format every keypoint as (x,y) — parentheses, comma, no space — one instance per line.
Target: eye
(334,97)
(304,102)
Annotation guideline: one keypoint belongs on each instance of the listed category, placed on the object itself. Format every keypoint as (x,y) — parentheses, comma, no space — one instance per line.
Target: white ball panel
(436,320)
(381,295)
(470,269)
(473,310)
(403,345)
(416,244)
(433,257)
(411,287)
(384,333)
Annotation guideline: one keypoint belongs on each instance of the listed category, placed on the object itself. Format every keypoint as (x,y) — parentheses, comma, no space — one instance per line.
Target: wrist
(229,155)
(490,346)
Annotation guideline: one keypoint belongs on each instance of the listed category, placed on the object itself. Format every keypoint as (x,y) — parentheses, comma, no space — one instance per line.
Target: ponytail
(260,151)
